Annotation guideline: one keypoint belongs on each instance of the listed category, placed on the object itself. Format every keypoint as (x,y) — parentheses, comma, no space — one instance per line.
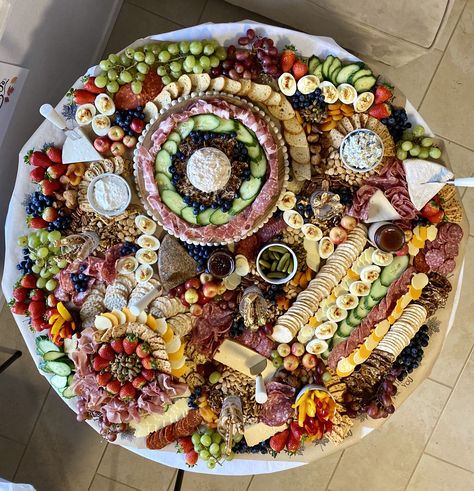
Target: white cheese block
(418,173)
(380,209)
(79,150)
(259,432)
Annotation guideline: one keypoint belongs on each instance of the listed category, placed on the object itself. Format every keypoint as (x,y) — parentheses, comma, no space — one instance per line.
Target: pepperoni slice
(434,258)
(420,263)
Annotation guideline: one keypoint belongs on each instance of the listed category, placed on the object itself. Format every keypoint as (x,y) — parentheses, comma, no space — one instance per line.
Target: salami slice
(420,263)
(455,233)
(447,267)
(277,410)
(451,249)
(434,258)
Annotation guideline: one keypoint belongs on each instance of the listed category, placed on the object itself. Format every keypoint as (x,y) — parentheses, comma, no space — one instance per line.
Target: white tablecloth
(15,226)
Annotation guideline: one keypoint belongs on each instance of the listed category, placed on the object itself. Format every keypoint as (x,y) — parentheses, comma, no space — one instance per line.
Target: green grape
(415,151)
(136,86)
(196,438)
(418,130)
(197,69)
(216,437)
(214,377)
(125,76)
(211,463)
(22,241)
(54,270)
(54,236)
(112,74)
(214,61)
(173,49)
(44,273)
(150,58)
(401,154)
(238,437)
(41,282)
(139,56)
(195,47)
(32,255)
(198,447)
(223,447)
(105,65)
(55,250)
(424,153)
(143,68)
(221,53)
(114,59)
(205,62)
(161,71)
(408,135)
(190,60)
(407,145)
(33,241)
(51,285)
(125,60)
(204,455)
(427,142)
(113,86)
(156,49)
(206,440)
(230,456)
(40,262)
(435,153)
(166,80)
(184,47)
(147,48)
(215,450)
(140,77)
(208,49)
(164,57)
(176,66)
(130,52)
(62,263)
(175,75)
(36,269)
(100,81)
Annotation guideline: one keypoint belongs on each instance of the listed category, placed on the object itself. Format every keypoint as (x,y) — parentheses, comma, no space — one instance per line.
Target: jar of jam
(221,263)
(387,236)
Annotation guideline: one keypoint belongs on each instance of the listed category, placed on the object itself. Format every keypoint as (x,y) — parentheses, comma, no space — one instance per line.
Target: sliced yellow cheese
(130,317)
(419,281)
(414,293)
(391,319)
(359,357)
(412,249)
(142,317)
(382,328)
(313,322)
(351,358)
(423,232)
(180,372)
(161,326)
(177,354)
(371,342)
(417,242)
(168,335)
(112,317)
(151,322)
(405,300)
(120,316)
(431,232)
(364,352)
(102,323)
(417,232)
(344,368)
(259,432)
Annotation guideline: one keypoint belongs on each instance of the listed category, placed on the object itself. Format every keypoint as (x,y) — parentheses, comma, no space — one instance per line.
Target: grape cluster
(302,101)
(242,447)
(397,122)
(411,356)
(128,249)
(200,253)
(124,118)
(382,405)
(61,223)
(192,399)
(413,143)
(259,55)
(210,446)
(37,202)
(25,266)
(80,280)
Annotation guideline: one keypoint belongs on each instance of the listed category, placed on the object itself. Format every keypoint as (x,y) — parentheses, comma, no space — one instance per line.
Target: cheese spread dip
(109,194)
(361,150)
(208,169)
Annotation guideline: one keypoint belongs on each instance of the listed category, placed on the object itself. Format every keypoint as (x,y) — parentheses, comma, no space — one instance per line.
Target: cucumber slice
(164,182)
(326,64)
(206,122)
(174,136)
(346,72)
(319,72)
(163,162)
(225,126)
(344,329)
(244,135)
(68,393)
(336,63)
(325,355)
(170,146)
(220,217)
(53,355)
(250,187)
(173,201)
(361,310)
(337,338)
(394,270)
(239,205)
(353,320)
(363,72)
(58,381)
(44,367)
(313,63)
(254,151)
(70,379)
(364,84)
(371,302)
(59,368)
(334,75)
(378,291)
(258,166)
(204,218)
(43,345)
(188,215)
(185,127)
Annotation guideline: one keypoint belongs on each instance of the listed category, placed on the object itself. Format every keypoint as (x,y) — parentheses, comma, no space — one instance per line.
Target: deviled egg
(104,104)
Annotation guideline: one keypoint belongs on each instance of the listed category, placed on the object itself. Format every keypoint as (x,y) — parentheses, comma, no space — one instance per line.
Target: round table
(15,225)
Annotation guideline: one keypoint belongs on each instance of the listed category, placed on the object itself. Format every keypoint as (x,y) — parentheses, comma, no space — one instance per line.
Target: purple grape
(231,50)
(258,43)
(390,409)
(272,69)
(250,34)
(233,74)
(227,64)
(273,51)
(239,68)
(243,41)
(386,400)
(216,71)
(247,75)
(267,43)
(373,412)
(242,54)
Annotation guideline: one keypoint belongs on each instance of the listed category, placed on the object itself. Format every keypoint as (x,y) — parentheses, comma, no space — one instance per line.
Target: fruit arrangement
(258,294)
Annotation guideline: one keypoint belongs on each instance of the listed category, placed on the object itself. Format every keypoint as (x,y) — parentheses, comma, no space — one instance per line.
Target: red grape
(233,74)
(250,34)
(273,51)
(242,54)
(243,41)
(227,64)
(231,50)
(247,75)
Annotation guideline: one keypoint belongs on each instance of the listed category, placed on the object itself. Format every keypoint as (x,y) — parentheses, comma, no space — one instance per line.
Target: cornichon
(282,261)
(277,248)
(265,264)
(276,275)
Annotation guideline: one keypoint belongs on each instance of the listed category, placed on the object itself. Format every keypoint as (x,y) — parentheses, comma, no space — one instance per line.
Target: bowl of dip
(109,194)
(361,150)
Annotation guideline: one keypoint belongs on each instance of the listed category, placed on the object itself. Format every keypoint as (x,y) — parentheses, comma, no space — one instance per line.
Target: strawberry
(51,311)
(186,444)
(49,187)
(138,382)
(130,343)
(278,441)
(39,324)
(191,458)
(127,392)
(293,444)
(380,111)
(117,345)
(287,59)
(113,387)
(19,308)
(20,294)
(143,350)
(28,281)
(90,85)
(106,352)
(37,158)
(37,294)
(299,69)
(103,378)
(51,301)
(82,96)
(430,209)
(57,170)
(49,214)
(38,222)
(383,93)
(99,363)
(54,153)
(37,174)
(148,374)
(148,363)
(437,217)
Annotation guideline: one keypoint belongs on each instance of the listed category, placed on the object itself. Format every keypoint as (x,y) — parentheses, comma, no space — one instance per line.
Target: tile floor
(427,445)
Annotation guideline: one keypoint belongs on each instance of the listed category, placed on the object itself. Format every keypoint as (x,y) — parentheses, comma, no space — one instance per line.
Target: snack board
(128,314)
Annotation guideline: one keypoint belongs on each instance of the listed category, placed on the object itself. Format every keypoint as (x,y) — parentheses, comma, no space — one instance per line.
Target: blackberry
(396,123)
(412,355)
(200,253)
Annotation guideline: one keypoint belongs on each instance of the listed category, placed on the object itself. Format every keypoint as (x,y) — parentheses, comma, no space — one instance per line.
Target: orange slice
(151,322)
(417,242)
(179,372)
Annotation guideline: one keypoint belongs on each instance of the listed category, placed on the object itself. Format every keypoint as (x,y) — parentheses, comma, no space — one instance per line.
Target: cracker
(217,84)
(173,89)
(363,119)
(292,126)
(283,110)
(163,99)
(200,81)
(259,92)
(232,86)
(335,138)
(296,139)
(245,86)
(274,99)
(300,154)
(355,120)
(347,124)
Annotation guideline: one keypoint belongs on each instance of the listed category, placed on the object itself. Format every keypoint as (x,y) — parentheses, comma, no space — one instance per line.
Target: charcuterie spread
(253,264)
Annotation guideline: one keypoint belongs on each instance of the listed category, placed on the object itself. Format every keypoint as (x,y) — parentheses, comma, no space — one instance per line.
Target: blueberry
(384,120)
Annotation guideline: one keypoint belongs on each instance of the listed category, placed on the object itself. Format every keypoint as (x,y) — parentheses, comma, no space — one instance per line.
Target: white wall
(57,40)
